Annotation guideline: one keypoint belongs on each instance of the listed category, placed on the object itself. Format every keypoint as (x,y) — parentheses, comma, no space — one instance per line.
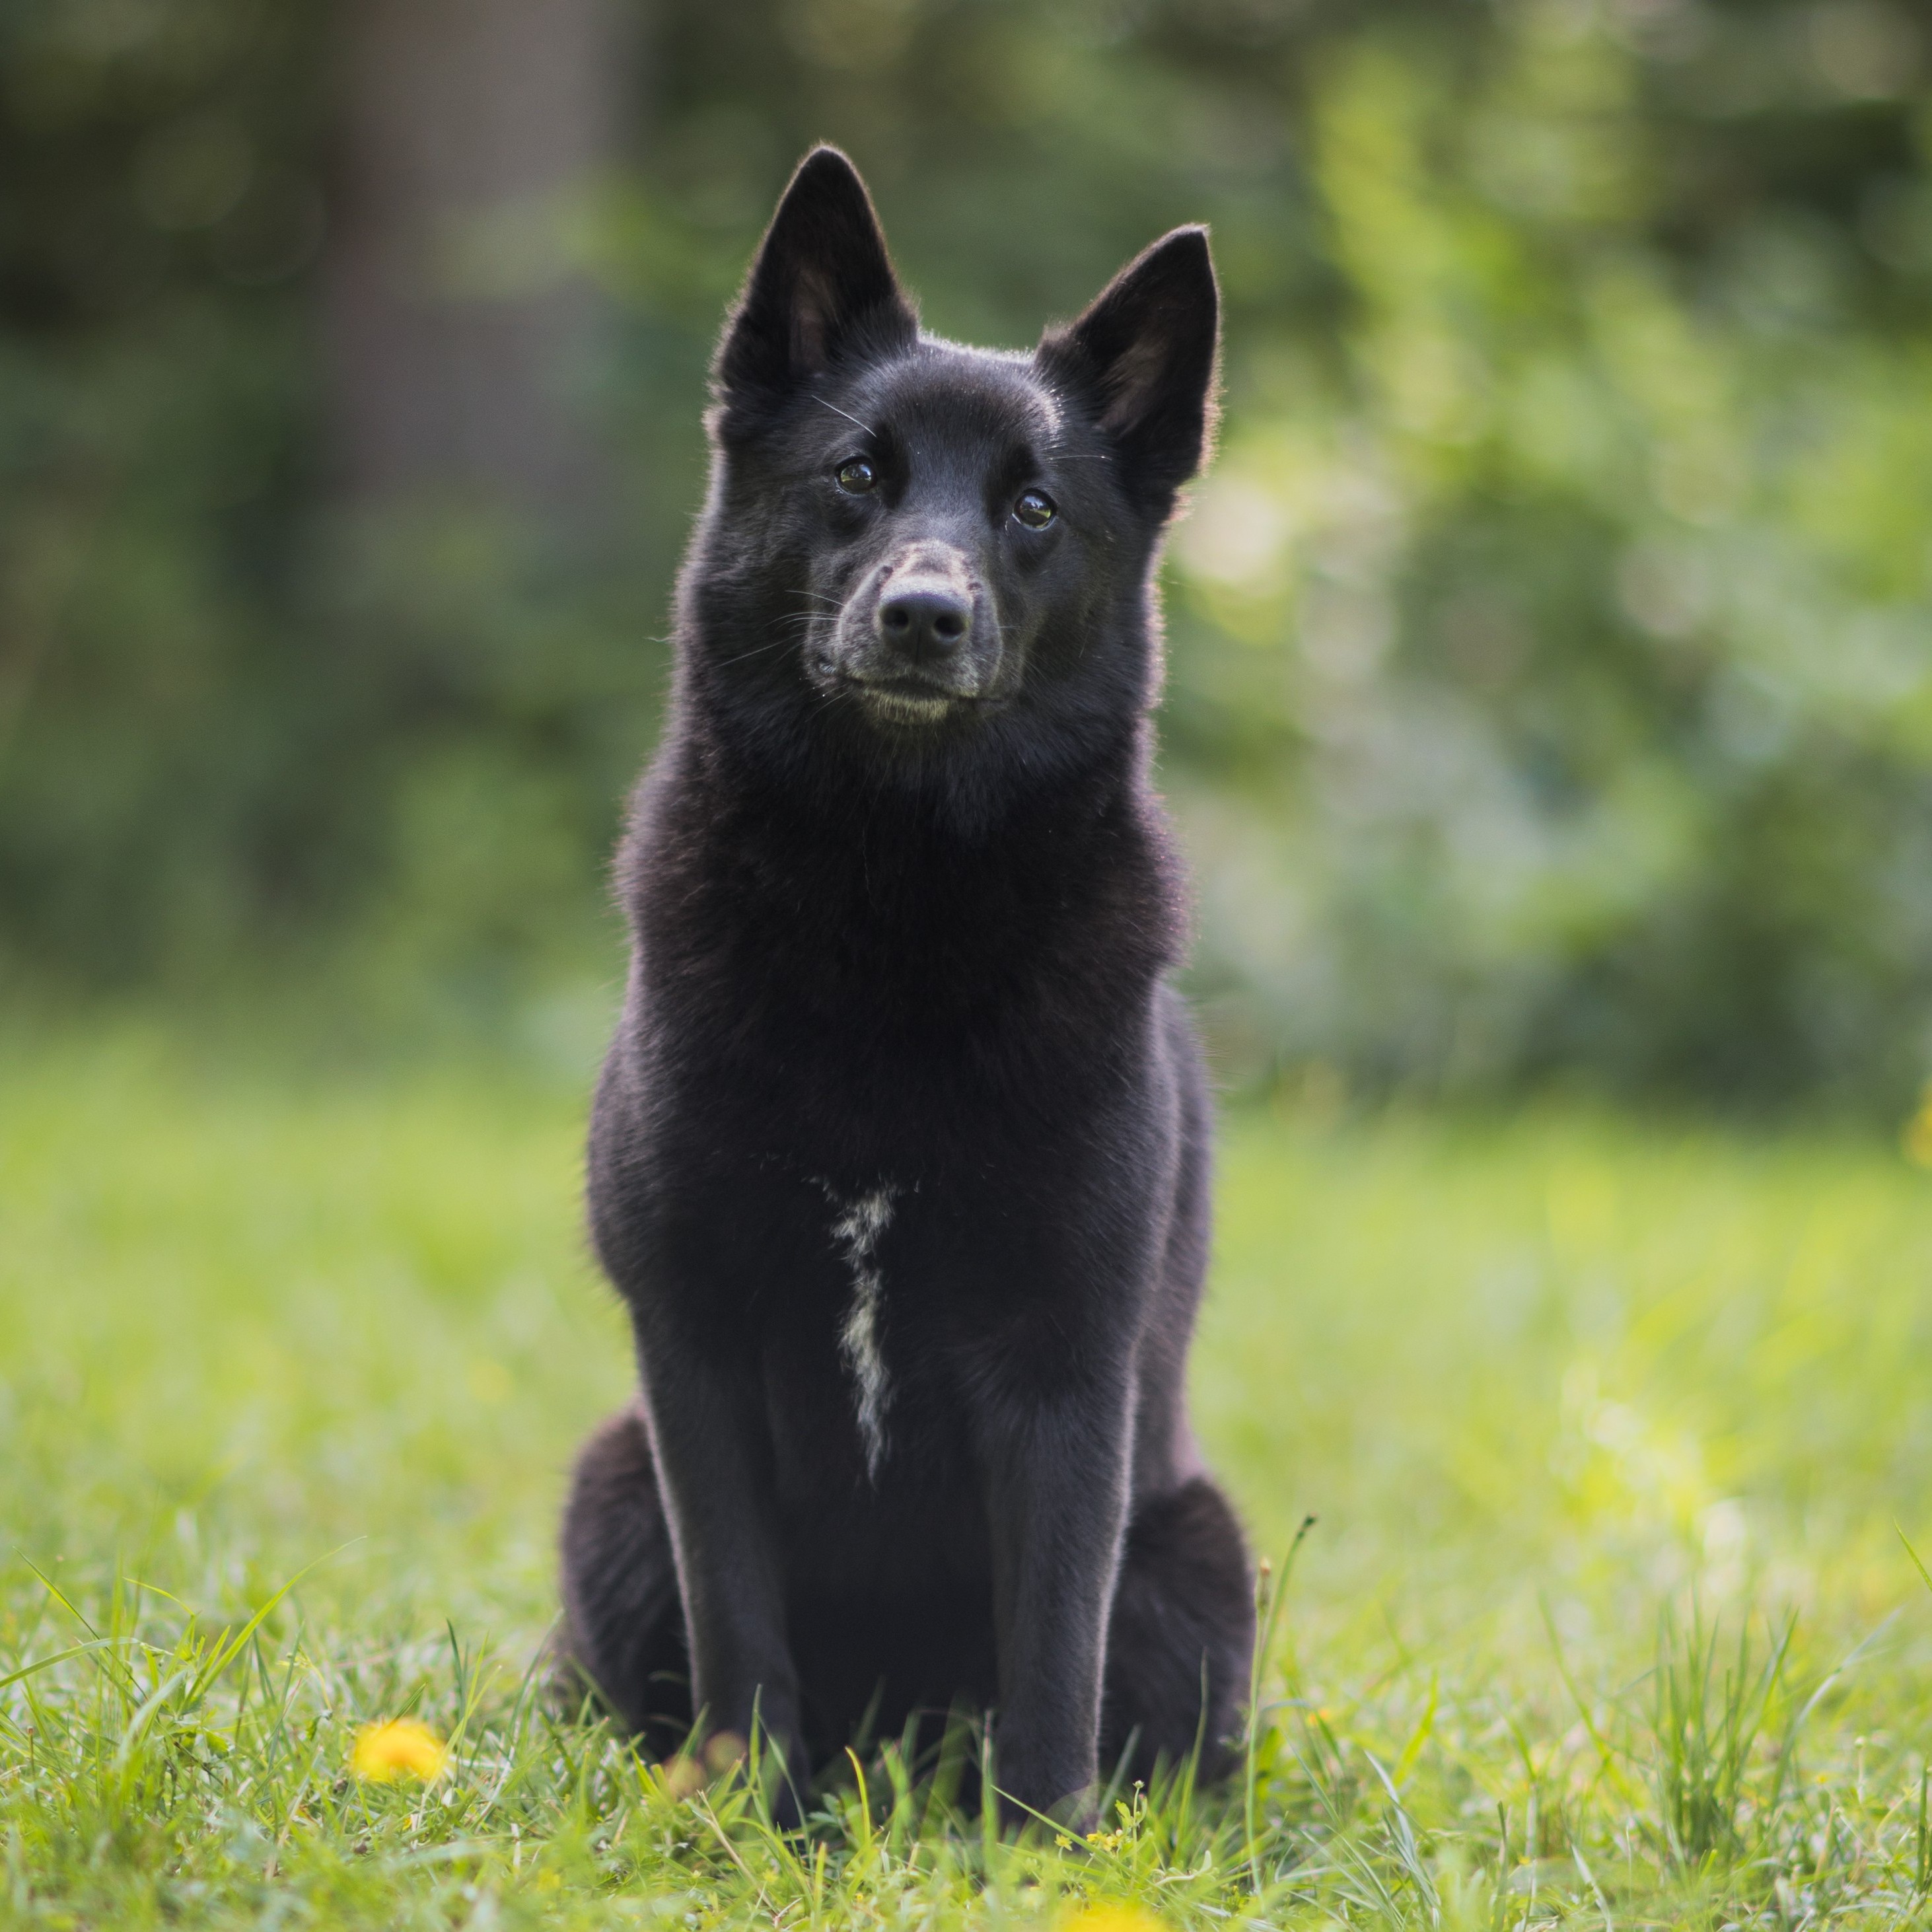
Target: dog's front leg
(1056,1471)
(708,1436)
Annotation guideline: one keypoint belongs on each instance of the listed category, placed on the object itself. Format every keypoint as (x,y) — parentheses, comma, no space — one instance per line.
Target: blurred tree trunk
(459,331)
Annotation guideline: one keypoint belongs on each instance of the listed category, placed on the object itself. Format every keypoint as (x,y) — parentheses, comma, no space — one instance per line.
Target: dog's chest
(874,1301)
(856,1228)
(866,1349)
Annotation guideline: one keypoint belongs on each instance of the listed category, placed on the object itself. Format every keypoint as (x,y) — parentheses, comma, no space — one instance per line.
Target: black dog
(900,1155)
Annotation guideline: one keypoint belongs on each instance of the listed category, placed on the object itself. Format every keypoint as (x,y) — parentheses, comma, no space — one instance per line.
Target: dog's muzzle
(921,637)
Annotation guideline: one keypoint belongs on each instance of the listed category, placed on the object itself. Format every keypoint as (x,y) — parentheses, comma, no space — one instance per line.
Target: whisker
(796,623)
(847,415)
(756,651)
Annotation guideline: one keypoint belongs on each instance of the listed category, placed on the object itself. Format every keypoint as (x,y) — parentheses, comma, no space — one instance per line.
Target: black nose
(925,624)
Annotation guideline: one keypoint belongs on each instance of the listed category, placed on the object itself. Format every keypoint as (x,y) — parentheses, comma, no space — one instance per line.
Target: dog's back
(900,1155)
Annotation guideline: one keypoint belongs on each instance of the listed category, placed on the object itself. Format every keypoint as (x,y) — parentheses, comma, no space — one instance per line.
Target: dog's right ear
(822,288)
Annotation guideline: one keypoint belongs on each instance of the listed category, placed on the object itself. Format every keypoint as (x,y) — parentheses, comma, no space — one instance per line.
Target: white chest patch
(856,1231)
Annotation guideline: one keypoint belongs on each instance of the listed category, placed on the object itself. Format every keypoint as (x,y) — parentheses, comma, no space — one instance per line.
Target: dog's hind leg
(1179,1639)
(623,1625)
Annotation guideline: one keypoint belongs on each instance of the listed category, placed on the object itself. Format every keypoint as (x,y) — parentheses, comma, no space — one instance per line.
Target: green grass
(1606,1424)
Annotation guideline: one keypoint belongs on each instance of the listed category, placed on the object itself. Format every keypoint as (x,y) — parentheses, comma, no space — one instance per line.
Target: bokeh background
(1550,724)
(1551,668)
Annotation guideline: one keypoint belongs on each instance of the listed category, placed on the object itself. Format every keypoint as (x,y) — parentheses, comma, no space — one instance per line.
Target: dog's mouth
(910,700)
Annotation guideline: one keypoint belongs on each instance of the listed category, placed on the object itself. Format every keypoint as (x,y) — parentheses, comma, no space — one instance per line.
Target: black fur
(900,1155)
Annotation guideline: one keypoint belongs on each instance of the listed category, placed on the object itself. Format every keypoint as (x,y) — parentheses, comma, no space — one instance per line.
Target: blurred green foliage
(1549,646)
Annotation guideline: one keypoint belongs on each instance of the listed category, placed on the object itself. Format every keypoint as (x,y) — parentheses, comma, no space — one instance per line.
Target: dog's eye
(1034,509)
(857,477)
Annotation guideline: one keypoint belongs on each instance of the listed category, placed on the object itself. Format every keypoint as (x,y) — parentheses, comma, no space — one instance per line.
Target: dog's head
(912,547)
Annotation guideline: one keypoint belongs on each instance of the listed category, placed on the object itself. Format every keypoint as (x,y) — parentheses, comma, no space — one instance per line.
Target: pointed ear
(821,287)
(1143,356)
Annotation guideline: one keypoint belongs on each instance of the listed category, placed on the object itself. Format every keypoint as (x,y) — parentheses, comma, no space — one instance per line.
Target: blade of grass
(1270,1592)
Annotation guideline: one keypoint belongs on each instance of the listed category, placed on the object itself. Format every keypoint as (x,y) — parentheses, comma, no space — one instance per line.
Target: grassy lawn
(1606,1424)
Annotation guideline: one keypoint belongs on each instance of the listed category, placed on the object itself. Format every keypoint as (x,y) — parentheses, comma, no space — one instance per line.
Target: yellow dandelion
(1917,1137)
(398,1748)
(1106,1917)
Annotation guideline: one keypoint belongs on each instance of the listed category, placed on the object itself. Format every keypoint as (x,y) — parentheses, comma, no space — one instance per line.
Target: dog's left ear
(1144,353)
(821,287)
